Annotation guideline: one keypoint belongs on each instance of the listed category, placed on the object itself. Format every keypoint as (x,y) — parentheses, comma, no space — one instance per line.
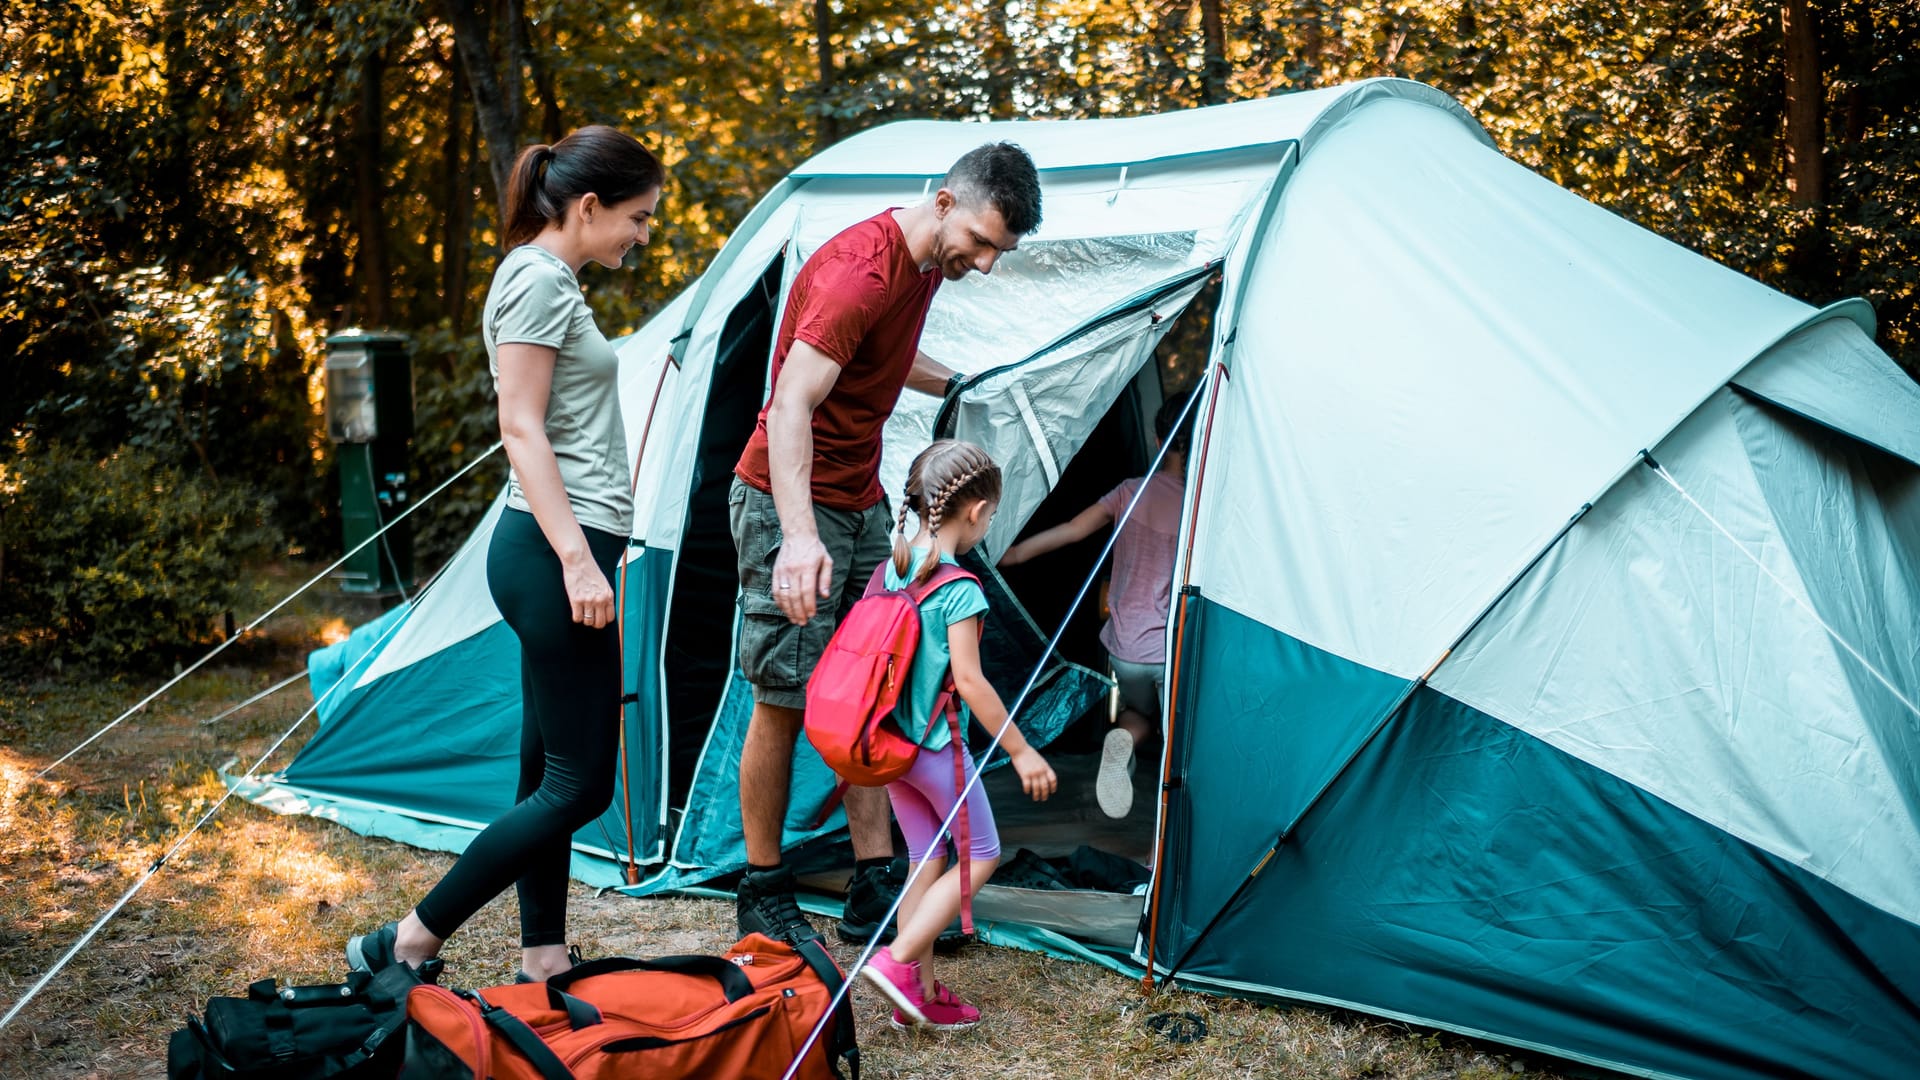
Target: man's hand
(802,576)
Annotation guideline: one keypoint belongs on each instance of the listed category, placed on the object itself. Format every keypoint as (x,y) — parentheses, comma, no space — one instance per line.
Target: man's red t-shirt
(861,300)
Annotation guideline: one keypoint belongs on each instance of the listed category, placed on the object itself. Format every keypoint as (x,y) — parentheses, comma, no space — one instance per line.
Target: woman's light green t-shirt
(535,300)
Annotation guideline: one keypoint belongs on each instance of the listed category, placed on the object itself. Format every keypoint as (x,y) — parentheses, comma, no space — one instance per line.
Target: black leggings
(569,735)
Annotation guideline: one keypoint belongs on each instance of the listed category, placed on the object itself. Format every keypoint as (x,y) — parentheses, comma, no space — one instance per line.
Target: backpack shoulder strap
(946,573)
(877,584)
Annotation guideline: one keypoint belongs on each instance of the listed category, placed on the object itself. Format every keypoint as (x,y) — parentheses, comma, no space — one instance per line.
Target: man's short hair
(1001,174)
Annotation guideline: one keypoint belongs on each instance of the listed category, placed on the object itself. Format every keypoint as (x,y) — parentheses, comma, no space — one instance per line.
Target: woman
(588,198)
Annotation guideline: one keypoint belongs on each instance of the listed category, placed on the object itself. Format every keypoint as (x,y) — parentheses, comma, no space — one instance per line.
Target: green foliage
(456,421)
(124,560)
(185,210)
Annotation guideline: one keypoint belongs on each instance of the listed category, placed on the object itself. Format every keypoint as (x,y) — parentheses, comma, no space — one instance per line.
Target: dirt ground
(253,894)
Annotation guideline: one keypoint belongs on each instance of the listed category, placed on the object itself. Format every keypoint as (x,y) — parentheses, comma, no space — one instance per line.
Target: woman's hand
(589,593)
(1036,776)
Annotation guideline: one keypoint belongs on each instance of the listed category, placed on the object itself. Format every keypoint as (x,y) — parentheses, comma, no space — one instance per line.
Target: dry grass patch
(254,894)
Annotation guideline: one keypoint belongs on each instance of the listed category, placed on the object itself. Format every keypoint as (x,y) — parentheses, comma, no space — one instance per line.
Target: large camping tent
(1546,656)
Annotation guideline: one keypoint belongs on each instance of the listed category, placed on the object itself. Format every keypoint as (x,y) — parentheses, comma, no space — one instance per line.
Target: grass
(254,894)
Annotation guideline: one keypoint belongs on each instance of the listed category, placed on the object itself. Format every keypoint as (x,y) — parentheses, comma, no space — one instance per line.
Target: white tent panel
(1833,373)
(1448,357)
(1648,646)
(642,356)
(458,606)
(676,444)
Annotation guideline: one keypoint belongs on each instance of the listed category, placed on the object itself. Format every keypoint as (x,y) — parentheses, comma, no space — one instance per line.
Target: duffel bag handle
(294,997)
(733,982)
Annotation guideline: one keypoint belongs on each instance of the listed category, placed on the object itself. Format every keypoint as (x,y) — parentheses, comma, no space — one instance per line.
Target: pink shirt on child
(1143,556)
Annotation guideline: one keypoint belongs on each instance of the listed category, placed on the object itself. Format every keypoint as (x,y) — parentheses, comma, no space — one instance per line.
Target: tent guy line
(1660,471)
(204,819)
(231,787)
(267,614)
(1201,390)
(261,696)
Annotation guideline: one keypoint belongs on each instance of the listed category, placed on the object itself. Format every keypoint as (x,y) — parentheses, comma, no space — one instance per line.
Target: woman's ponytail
(528,206)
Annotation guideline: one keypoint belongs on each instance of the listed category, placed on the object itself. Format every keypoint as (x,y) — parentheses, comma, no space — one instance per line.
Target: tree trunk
(371,280)
(543,85)
(829,132)
(999,63)
(1806,180)
(457,183)
(1213,76)
(497,106)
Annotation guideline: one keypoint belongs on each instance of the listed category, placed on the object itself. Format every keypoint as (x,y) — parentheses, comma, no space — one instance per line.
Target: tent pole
(620,623)
(1380,725)
(1173,677)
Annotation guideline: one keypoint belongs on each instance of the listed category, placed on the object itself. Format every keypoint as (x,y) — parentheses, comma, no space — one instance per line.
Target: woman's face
(610,230)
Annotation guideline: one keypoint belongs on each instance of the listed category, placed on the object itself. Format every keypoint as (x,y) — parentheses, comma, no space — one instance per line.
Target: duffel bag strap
(579,1013)
(844,1045)
(733,982)
(516,1031)
(278,1023)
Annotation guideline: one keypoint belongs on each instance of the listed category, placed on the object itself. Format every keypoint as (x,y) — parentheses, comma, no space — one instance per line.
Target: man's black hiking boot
(870,893)
(765,905)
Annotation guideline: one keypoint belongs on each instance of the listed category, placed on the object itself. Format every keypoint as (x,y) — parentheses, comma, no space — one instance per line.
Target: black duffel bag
(342,1030)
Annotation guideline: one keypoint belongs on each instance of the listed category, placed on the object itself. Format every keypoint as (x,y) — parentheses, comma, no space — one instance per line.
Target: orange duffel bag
(744,1014)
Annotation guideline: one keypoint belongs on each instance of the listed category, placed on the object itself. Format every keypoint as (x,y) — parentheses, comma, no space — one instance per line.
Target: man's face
(969,237)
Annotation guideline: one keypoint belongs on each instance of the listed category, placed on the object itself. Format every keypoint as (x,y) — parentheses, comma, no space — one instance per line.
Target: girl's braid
(947,492)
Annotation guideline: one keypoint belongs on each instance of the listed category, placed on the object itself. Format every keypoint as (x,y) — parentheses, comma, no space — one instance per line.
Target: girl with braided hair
(953,488)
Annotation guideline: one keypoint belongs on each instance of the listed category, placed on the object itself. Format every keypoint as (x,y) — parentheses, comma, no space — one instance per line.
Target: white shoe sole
(894,994)
(898,1026)
(1113,787)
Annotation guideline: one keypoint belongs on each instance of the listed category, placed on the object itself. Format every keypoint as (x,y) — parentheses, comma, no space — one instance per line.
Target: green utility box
(370,420)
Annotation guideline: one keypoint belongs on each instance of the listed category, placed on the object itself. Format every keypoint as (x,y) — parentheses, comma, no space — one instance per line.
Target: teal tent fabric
(447,748)
(1264,721)
(712,840)
(332,670)
(1464,874)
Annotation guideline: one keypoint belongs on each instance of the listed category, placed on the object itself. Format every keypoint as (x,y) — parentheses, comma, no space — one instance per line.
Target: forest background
(194,195)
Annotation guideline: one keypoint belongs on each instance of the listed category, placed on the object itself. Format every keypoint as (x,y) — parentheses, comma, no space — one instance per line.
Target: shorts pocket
(770,645)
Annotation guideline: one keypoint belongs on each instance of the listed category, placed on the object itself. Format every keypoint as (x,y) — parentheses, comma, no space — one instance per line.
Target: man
(810,522)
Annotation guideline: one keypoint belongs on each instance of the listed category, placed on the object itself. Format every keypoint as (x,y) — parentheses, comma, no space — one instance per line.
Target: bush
(124,561)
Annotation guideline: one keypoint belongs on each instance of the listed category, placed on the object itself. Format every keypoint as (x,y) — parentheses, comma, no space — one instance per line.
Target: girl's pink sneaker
(901,985)
(944,1011)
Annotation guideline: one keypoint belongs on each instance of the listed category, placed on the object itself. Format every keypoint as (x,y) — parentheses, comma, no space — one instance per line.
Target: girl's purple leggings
(922,799)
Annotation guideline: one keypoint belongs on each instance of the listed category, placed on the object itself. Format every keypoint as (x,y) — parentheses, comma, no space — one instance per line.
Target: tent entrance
(699,654)
(1121,445)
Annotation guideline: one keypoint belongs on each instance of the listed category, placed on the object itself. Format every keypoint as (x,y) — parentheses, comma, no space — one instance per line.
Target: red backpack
(856,686)
(855,689)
